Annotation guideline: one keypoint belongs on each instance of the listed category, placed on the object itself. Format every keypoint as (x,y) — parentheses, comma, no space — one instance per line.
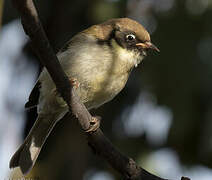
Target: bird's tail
(26,156)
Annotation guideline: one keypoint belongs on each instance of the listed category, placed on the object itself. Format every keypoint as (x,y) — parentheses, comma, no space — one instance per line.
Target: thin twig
(102,146)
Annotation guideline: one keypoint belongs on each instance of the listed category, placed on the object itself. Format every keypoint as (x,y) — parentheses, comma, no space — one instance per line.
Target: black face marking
(108,40)
(128,40)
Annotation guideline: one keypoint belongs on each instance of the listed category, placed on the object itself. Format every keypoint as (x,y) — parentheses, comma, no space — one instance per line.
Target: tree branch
(101,145)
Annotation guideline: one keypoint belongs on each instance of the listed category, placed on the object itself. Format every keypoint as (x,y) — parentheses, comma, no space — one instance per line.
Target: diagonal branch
(102,146)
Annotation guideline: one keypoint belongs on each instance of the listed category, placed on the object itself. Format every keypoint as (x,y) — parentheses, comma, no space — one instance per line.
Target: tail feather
(14,162)
(27,154)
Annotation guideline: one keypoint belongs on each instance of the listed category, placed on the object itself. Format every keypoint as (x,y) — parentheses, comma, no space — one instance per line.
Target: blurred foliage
(179,77)
(1,11)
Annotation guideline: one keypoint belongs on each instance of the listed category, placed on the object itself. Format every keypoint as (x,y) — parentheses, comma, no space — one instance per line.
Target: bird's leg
(94,124)
(95,121)
(74,82)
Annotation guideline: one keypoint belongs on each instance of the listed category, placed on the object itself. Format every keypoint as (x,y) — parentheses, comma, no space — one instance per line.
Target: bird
(98,62)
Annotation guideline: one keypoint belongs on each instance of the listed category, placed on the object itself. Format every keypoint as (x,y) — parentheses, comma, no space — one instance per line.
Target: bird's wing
(35,93)
(34,96)
(65,46)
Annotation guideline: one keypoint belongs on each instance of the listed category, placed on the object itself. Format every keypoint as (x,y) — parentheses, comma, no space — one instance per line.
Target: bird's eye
(130,37)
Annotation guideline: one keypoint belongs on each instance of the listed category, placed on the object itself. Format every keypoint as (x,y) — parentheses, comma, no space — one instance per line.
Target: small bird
(98,62)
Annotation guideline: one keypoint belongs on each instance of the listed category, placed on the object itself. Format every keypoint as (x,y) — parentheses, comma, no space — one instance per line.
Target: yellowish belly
(102,90)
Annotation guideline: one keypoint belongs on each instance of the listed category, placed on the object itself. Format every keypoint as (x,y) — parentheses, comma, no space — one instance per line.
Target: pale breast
(101,70)
(104,89)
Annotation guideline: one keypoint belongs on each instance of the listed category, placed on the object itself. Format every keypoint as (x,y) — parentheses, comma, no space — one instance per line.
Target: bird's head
(127,34)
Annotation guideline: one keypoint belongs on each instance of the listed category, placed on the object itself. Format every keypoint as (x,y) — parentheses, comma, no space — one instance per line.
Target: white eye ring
(130,37)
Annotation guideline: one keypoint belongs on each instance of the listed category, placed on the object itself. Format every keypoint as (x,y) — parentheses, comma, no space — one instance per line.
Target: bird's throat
(129,58)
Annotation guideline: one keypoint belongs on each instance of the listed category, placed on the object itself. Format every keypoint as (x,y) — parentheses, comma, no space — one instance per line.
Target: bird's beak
(148,45)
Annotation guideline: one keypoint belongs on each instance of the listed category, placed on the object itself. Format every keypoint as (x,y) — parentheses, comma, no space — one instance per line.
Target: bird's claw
(74,82)
(94,124)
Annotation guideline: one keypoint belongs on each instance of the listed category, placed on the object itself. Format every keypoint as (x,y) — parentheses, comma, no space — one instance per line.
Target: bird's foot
(55,92)
(94,124)
(74,82)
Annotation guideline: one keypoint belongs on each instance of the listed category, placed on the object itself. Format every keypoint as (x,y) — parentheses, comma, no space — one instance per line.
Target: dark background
(162,118)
